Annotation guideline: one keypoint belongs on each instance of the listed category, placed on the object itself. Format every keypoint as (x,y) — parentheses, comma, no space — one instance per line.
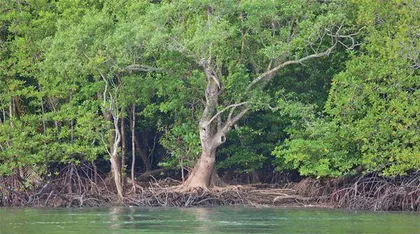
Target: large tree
(237,49)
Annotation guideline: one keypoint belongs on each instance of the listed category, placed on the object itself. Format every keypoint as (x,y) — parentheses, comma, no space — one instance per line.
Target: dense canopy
(324,88)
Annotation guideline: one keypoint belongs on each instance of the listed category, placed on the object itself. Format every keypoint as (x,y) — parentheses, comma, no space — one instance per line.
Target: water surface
(203,220)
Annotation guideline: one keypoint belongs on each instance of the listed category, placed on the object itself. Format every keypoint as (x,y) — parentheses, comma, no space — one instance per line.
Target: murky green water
(204,220)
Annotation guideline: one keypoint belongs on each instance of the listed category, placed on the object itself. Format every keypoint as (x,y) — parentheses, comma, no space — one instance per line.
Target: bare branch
(231,113)
(271,108)
(117,138)
(239,116)
(348,36)
(219,122)
(138,68)
(223,110)
(271,72)
(210,73)
(103,141)
(231,121)
(106,86)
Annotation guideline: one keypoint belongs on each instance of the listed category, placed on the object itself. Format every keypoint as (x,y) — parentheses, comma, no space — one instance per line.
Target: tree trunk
(4,115)
(44,128)
(143,155)
(117,176)
(95,173)
(133,145)
(115,160)
(112,114)
(123,148)
(114,142)
(212,135)
(202,174)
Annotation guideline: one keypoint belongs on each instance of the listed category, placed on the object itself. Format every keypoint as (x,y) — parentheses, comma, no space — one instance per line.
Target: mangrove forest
(202,103)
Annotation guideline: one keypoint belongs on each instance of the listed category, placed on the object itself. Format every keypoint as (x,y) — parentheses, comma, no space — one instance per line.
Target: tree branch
(238,116)
(223,110)
(211,93)
(231,121)
(139,68)
(271,72)
(209,71)
(266,76)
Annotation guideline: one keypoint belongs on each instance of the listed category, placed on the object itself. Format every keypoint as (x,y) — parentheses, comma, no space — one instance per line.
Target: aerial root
(367,192)
(180,196)
(74,185)
(81,185)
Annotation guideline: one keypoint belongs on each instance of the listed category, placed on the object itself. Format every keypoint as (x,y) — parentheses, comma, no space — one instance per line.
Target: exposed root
(178,196)
(82,185)
(368,192)
(186,189)
(75,185)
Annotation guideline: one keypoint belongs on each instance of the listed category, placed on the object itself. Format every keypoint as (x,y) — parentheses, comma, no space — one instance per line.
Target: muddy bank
(81,186)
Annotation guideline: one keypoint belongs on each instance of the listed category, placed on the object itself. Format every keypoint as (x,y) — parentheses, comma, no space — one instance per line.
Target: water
(203,220)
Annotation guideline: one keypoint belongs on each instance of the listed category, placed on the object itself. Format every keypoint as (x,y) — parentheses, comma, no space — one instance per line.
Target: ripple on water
(218,220)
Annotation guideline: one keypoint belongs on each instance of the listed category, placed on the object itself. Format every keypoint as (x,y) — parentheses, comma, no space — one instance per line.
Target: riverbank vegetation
(99,98)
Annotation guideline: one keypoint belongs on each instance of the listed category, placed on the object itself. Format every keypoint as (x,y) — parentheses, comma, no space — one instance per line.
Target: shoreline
(364,193)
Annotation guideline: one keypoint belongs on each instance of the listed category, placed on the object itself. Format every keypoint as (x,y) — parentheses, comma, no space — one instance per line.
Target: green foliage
(321,148)
(243,152)
(183,143)
(65,64)
(372,106)
(49,118)
(181,106)
(22,147)
(240,39)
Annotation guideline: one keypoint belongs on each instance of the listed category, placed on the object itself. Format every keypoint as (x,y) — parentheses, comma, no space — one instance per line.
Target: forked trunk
(212,135)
